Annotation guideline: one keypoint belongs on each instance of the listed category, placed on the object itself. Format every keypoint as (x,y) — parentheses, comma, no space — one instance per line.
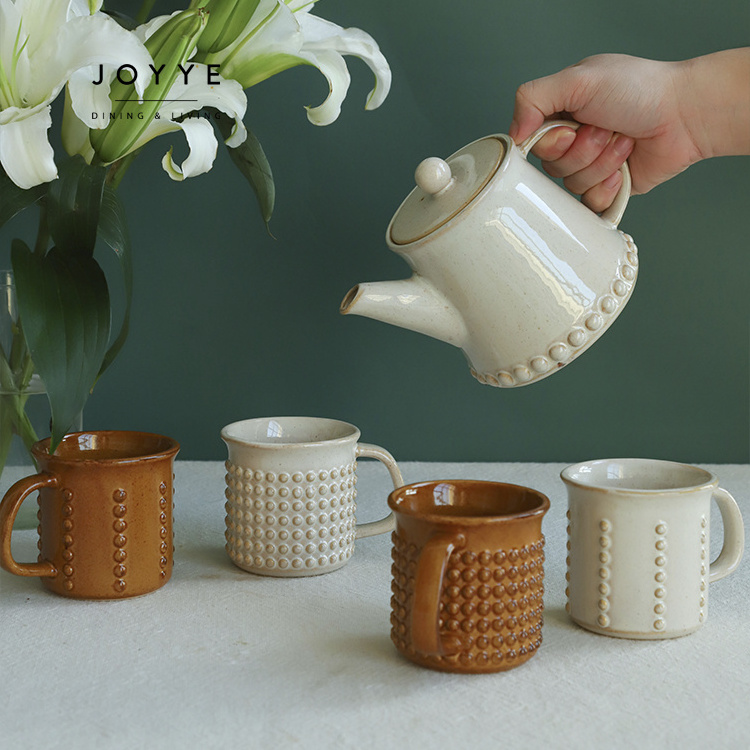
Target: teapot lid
(444,188)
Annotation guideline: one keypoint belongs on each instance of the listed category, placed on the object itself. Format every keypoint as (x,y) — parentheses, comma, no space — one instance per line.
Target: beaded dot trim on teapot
(291,522)
(586,329)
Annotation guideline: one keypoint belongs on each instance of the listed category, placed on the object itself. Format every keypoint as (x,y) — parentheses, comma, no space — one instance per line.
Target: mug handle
(368,450)
(9,507)
(428,585)
(734,537)
(614,213)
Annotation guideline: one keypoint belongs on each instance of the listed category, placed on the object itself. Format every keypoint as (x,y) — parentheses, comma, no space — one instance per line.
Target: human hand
(630,108)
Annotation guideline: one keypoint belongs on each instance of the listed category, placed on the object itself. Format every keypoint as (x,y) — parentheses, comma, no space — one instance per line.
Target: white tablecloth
(220,658)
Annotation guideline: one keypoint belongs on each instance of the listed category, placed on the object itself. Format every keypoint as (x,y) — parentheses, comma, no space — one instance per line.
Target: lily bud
(169,46)
(226,21)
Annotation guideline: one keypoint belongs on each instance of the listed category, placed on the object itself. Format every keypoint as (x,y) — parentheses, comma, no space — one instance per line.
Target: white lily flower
(42,45)
(184,99)
(180,101)
(282,34)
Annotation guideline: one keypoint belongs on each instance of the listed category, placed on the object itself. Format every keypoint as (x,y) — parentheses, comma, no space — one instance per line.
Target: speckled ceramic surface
(506,264)
(638,546)
(105,515)
(291,494)
(468,574)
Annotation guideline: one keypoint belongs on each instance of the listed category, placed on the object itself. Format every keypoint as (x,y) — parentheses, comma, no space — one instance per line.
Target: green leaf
(63,304)
(14,199)
(73,204)
(113,229)
(125,21)
(251,160)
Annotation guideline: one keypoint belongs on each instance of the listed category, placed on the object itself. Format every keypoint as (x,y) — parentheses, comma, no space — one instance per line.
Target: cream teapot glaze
(507,265)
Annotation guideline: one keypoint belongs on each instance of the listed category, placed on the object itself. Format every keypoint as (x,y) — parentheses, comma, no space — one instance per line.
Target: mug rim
(352,435)
(539,510)
(40,449)
(710,479)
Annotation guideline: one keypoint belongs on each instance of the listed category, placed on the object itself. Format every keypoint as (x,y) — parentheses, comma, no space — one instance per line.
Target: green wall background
(231,323)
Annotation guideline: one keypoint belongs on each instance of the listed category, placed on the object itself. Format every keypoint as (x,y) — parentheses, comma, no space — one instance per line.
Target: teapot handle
(614,213)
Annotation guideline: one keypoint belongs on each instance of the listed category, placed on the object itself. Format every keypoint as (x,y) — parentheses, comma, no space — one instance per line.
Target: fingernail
(565,138)
(600,136)
(613,181)
(622,145)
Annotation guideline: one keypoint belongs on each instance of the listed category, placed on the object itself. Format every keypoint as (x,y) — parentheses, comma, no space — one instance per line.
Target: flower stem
(16,372)
(43,234)
(119,168)
(145,11)
(13,398)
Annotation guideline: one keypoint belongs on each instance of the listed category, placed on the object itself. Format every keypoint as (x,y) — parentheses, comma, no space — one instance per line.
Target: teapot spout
(408,303)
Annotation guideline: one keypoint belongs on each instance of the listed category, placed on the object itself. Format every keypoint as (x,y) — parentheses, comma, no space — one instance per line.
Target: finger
(554,144)
(607,163)
(527,117)
(539,99)
(600,197)
(589,143)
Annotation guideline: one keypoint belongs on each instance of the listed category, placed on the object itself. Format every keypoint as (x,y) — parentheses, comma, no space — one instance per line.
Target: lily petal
(270,43)
(281,35)
(41,18)
(82,42)
(321,35)
(145,30)
(75,134)
(333,67)
(227,96)
(202,144)
(11,67)
(297,5)
(85,7)
(25,151)
(90,99)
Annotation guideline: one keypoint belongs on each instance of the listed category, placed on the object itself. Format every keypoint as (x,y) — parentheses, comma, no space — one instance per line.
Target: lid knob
(433,175)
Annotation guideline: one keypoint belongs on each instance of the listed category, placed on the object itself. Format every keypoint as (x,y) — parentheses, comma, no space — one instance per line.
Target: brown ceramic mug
(468,574)
(105,514)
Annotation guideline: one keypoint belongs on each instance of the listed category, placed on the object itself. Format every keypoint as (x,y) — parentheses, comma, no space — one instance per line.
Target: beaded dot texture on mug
(316,506)
(605,573)
(119,540)
(704,569)
(660,576)
(490,611)
(165,560)
(68,525)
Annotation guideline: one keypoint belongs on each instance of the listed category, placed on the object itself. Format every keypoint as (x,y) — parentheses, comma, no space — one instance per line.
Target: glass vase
(24,408)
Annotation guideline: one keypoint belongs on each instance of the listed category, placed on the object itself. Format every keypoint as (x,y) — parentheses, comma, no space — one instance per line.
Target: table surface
(221,656)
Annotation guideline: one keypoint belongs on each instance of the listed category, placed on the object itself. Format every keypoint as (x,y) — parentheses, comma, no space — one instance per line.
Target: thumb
(536,101)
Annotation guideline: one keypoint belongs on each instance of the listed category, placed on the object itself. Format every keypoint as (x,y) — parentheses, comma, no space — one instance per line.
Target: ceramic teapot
(507,265)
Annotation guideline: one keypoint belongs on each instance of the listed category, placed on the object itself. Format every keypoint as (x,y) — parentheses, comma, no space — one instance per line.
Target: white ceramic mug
(291,491)
(638,547)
